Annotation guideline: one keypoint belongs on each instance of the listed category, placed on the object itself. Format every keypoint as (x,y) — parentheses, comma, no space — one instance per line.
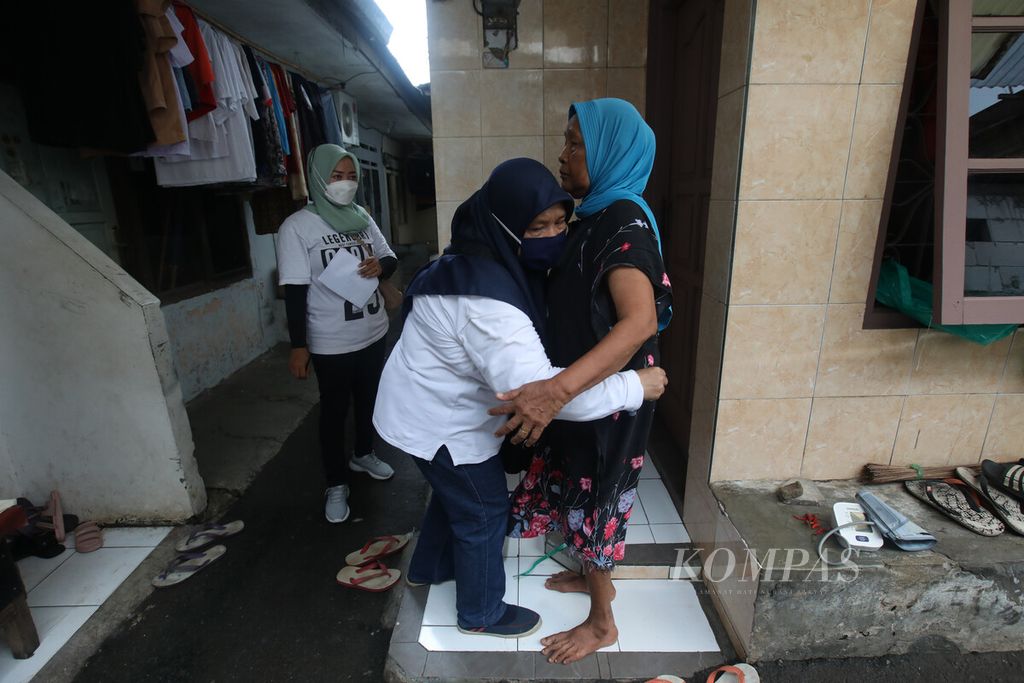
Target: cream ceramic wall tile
(711,337)
(771,351)
(877,110)
(859,362)
(944,364)
(497,150)
(718,248)
(455,103)
(702,432)
(855,254)
(562,87)
(809,41)
(454,36)
(847,433)
(760,439)
(797,141)
(942,430)
(552,148)
(1013,374)
(457,167)
(627,33)
(629,84)
(445,213)
(889,33)
(530,29)
(733,574)
(784,252)
(728,135)
(513,102)
(735,46)
(1005,437)
(575,33)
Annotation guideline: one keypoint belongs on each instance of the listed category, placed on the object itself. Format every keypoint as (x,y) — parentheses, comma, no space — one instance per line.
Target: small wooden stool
(16,623)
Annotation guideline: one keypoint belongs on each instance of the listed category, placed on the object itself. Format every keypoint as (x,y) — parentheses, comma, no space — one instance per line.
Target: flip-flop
(185,565)
(666,678)
(734,673)
(88,537)
(374,577)
(376,548)
(958,501)
(1007,508)
(208,533)
(1008,478)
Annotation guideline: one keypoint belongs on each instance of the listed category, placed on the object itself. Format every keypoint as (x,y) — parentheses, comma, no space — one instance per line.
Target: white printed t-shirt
(306,243)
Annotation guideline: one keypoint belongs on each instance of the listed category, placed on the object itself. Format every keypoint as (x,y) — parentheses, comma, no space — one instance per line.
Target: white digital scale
(853,528)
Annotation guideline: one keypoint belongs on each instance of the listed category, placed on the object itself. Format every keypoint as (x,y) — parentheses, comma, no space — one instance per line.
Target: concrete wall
(217,333)
(90,404)
(804,389)
(569,50)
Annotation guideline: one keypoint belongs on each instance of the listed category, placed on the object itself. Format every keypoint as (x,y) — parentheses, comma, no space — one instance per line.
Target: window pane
(997,95)
(998,8)
(995,235)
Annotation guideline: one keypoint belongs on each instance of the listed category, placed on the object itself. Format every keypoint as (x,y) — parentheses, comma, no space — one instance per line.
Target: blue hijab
(483,257)
(620,155)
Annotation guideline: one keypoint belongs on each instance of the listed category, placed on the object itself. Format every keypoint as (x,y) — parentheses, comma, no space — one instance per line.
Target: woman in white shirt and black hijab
(473,325)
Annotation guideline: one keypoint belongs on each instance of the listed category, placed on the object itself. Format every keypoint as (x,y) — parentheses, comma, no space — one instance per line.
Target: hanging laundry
(155,78)
(179,57)
(278,107)
(296,161)
(200,71)
(221,141)
(330,114)
(310,113)
(49,45)
(270,164)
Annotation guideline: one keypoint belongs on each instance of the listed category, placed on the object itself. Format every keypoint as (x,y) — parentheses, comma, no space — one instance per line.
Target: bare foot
(573,645)
(570,582)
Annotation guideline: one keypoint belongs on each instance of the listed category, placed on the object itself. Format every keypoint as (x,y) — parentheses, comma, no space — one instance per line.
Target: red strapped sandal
(374,577)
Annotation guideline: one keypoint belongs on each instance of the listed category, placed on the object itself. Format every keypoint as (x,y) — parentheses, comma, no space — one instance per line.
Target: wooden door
(682,84)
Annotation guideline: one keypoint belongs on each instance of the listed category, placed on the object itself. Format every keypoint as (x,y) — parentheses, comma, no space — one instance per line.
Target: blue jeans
(463,534)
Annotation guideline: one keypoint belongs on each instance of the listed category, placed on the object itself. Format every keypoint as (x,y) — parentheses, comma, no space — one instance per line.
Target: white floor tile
(649,471)
(512,480)
(661,616)
(87,579)
(638,533)
(545,568)
(670,533)
(449,639)
(638,515)
(35,569)
(532,547)
(657,504)
(440,607)
(55,625)
(558,611)
(511,548)
(134,536)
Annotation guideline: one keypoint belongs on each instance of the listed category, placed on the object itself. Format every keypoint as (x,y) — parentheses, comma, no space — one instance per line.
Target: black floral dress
(582,477)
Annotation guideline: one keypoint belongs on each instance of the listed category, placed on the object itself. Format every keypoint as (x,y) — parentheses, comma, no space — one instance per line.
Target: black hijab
(482,259)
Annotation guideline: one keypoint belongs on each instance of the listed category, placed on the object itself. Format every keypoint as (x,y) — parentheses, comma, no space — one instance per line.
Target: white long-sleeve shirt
(455,354)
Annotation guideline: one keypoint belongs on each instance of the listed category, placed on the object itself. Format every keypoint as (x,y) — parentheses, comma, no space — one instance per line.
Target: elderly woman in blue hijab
(473,326)
(607,299)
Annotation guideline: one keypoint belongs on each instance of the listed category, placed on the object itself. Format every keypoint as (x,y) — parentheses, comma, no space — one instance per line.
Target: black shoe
(516,623)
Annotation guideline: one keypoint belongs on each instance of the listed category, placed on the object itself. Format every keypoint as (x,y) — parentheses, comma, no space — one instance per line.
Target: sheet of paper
(341,276)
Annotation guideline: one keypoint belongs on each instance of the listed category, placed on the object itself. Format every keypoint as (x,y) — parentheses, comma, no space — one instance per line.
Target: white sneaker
(372,465)
(336,507)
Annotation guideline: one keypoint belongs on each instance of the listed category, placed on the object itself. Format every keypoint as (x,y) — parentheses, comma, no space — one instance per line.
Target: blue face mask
(542,253)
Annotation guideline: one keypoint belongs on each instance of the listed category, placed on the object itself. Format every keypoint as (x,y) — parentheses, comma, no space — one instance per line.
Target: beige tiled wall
(568,50)
(804,389)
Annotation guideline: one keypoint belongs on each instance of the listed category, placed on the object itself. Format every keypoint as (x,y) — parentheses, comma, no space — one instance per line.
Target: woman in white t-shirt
(344,340)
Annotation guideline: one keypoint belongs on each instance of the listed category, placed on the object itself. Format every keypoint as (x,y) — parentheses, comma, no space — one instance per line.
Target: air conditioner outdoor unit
(347,118)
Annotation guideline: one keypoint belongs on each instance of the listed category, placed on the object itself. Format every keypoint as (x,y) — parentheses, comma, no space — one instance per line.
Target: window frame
(952,166)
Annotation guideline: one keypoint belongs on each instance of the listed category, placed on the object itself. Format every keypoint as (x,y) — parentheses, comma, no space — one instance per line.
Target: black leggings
(342,376)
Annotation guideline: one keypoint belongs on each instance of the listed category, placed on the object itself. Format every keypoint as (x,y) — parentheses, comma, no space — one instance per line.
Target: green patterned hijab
(345,218)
